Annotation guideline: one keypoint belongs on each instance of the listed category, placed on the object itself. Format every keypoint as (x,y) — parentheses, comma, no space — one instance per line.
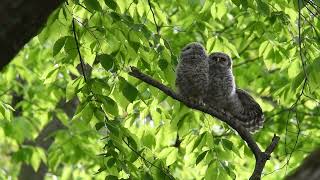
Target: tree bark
(20,21)
(309,169)
(44,141)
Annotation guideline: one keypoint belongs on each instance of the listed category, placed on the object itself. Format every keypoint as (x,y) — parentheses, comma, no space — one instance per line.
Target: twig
(78,49)
(154,17)
(305,81)
(261,157)
(84,7)
(312,4)
(138,154)
(245,62)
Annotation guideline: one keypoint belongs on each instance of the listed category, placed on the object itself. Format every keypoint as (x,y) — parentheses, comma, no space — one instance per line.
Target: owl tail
(253,125)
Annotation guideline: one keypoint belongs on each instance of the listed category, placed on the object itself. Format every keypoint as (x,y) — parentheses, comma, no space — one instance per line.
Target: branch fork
(260,156)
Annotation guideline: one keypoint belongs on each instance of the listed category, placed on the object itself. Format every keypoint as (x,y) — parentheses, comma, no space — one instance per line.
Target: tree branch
(261,157)
(154,18)
(20,21)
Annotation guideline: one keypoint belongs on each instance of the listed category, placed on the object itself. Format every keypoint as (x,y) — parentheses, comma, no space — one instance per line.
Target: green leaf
(200,157)
(128,90)
(297,81)
(35,160)
(206,6)
(115,16)
(106,60)
(109,106)
(7,112)
(247,151)
(111,177)
(98,86)
(41,153)
(132,142)
(87,112)
(237,2)
(198,141)
(99,125)
(73,87)
(134,45)
(93,5)
(263,7)
(23,154)
(227,144)
(58,45)
(2,110)
(70,47)
(111,4)
(165,152)
(221,10)
(172,157)
(112,127)
(149,140)
(51,76)
(212,171)
(111,162)
(163,64)
(231,47)
(101,169)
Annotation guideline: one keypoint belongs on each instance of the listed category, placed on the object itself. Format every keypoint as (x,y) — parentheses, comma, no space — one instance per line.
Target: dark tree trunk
(309,169)
(44,141)
(20,20)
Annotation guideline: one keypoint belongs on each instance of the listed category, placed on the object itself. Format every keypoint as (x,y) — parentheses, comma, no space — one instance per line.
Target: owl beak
(218,59)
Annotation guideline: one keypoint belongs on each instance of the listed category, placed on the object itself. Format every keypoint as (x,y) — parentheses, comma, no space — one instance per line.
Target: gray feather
(192,72)
(223,94)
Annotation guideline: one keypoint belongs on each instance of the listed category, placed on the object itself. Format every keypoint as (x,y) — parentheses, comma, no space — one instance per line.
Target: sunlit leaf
(93,5)
(201,156)
(111,4)
(58,45)
(106,60)
(128,90)
(110,106)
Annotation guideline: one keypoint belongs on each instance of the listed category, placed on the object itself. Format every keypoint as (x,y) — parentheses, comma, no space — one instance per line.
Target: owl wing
(252,116)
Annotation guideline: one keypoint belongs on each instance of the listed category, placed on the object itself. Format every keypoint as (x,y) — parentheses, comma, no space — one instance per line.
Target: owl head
(219,59)
(192,50)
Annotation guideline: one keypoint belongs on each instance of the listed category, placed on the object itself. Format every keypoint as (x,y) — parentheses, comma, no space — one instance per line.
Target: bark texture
(21,20)
(309,169)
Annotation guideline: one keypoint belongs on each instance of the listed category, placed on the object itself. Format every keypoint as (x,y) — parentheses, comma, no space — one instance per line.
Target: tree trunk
(27,172)
(309,169)
(21,20)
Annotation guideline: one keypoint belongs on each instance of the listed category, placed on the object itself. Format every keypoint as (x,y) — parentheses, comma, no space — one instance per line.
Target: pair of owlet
(209,79)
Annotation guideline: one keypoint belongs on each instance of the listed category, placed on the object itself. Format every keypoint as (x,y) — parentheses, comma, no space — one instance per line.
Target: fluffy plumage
(192,72)
(223,94)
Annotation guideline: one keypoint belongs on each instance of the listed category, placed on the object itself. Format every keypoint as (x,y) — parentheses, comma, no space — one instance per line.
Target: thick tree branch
(261,157)
(20,21)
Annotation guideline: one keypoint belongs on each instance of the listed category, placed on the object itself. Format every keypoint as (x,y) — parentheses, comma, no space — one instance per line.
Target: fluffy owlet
(223,94)
(193,72)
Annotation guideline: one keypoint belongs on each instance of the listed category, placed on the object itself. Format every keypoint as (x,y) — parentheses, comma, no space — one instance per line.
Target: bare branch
(78,49)
(154,17)
(261,157)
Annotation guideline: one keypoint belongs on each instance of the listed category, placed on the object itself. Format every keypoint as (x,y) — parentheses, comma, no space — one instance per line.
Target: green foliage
(123,128)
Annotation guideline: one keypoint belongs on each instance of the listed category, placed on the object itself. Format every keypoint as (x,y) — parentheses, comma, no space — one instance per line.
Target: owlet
(223,94)
(193,72)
